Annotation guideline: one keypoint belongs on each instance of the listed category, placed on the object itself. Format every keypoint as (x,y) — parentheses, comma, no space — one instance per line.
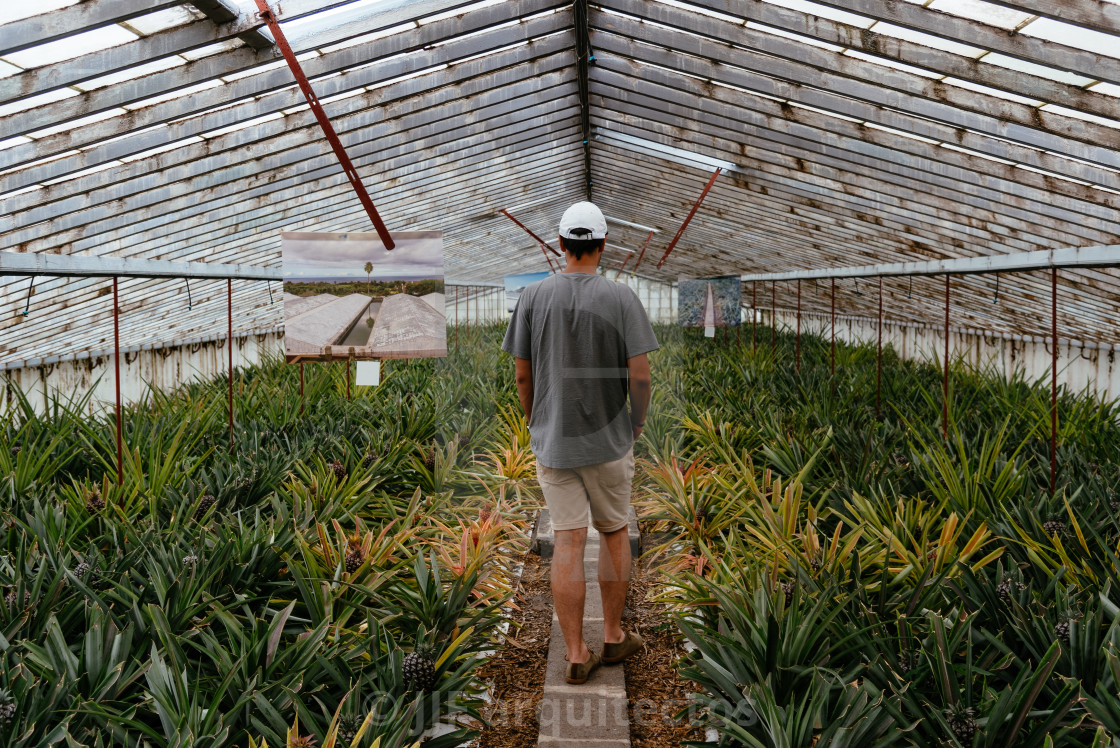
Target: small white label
(709,332)
(368,373)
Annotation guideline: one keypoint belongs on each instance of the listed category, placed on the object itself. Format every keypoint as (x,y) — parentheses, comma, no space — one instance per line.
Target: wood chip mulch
(655,689)
(516,671)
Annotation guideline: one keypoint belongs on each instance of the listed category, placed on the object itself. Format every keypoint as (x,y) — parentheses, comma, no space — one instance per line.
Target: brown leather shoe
(579,672)
(618,652)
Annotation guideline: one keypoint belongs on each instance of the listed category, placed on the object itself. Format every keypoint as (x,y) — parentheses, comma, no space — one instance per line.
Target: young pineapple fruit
(419,669)
(356,555)
(348,729)
(430,460)
(962,721)
(339,471)
(1054,527)
(94,502)
(7,707)
(204,505)
(1061,631)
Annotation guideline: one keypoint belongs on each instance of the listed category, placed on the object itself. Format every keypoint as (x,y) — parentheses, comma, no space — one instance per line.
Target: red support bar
(623,265)
(754,315)
(642,254)
(799,325)
(773,315)
(229,344)
(688,218)
(530,233)
(269,17)
(117,363)
(1053,380)
(879,356)
(945,384)
(832,352)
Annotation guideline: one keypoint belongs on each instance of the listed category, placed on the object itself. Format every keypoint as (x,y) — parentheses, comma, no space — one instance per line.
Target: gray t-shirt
(578,329)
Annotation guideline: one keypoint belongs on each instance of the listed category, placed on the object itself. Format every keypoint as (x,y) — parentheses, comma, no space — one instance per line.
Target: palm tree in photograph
(369,269)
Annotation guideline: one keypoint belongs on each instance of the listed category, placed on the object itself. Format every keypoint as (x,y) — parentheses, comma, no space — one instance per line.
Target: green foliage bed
(224,591)
(852,582)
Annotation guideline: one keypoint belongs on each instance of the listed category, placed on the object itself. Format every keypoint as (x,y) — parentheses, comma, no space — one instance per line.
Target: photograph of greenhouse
(559,374)
(346,296)
(709,302)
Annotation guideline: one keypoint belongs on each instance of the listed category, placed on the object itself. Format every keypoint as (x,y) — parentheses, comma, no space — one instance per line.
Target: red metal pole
(879,356)
(773,315)
(945,384)
(799,325)
(754,315)
(351,173)
(526,229)
(229,344)
(688,218)
(117,363)
(641,254)
(832,352)
(1053,380)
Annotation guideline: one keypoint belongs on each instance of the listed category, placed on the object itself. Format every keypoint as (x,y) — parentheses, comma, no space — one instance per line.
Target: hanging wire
(189,302)
(30,290)
(996,299)
(858,292)
(911,289)
(270,299)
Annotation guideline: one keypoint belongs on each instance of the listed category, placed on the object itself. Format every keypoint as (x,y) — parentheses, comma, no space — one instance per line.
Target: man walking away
(580,343)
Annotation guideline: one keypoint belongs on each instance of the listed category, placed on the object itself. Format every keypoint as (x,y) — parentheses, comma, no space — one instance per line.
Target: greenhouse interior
(312,346)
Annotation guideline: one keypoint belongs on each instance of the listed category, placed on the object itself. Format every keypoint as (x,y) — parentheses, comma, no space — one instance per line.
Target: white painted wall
(1079,366)
(659,299)
(166,367)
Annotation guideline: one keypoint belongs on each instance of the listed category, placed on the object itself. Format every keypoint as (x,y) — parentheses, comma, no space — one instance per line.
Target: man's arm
(638,367)
(523,375)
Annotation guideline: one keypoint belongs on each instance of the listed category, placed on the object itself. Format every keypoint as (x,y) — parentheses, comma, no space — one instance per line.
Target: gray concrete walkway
(592,715)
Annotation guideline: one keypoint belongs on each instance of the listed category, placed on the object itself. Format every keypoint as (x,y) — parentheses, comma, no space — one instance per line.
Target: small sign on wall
(368,373)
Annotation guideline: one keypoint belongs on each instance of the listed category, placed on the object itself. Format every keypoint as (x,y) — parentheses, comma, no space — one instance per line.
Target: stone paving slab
(544,538)
(593,714)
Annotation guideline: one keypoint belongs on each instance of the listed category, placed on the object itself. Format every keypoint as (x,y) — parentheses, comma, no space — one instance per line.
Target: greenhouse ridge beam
(1071,257)
(21,263)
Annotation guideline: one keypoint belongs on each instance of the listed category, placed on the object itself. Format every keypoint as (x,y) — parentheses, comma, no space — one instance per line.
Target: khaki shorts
(605,487)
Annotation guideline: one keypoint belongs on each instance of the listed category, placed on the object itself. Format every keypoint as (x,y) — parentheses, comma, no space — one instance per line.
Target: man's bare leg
(569,588)
(614,578)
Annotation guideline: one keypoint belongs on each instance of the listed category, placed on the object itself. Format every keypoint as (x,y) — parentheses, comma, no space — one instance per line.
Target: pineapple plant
(190,561)
(430,460)
(368,459)
(419,668)
(339,471)
(16,449)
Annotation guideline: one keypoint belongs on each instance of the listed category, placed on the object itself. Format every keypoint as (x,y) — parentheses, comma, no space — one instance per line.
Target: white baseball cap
(583,220)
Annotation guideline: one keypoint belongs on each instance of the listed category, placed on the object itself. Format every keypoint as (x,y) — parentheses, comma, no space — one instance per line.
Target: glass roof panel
(796,37)
(891,63)
(165,19)
(72,46)
(823,11)
(212,49)
(1082,115)
(13,11)
(978,10)
(992,91)
(132,73)
(77,123)
(7,69)
(1042,71)
(1108,89)
(33,101)
(927,40)
(1074,36)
